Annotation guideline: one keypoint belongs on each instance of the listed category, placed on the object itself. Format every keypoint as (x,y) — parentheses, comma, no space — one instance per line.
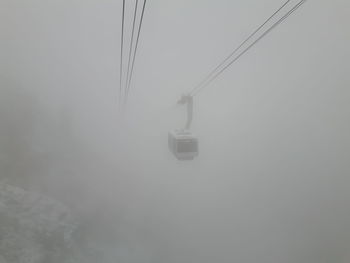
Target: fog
(271,182)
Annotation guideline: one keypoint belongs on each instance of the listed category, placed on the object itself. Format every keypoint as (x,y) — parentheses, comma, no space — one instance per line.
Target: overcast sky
(271,180)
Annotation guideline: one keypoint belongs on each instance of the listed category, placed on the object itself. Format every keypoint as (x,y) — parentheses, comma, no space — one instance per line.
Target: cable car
(182,143)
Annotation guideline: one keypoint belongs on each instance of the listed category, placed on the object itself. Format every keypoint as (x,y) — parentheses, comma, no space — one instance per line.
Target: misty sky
(271,183)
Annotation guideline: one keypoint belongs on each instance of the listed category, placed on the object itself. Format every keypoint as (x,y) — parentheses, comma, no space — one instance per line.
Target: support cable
(249,47)
(241,45)
(135,51)
(121,56)
(131,43)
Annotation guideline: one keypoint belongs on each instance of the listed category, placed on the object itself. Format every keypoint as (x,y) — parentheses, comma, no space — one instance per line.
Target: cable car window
(187,146)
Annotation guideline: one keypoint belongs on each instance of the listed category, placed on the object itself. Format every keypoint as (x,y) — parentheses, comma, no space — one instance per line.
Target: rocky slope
(34,228)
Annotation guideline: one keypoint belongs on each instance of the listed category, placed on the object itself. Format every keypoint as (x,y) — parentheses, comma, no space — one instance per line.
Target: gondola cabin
(183,144)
